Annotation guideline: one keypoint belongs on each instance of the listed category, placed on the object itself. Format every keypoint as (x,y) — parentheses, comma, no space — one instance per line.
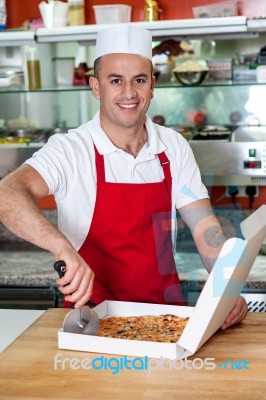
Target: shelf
(256,25)
(11,90)
(13,146)
(159,29)
(224,27)
(163,85)
(207,84)
(16,38)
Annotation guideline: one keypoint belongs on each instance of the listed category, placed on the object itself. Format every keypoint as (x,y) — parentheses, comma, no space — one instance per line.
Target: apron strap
(99,161)
(165,163)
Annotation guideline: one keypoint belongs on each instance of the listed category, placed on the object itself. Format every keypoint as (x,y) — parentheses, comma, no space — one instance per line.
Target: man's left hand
(237,314)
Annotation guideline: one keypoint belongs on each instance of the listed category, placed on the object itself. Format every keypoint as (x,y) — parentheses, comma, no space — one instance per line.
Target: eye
(115,81)
(140,81)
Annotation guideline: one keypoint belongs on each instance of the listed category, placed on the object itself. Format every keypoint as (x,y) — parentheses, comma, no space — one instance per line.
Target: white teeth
(127,105)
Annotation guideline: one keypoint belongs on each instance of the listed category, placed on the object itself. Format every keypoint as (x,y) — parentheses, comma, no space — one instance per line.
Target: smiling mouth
(128,106)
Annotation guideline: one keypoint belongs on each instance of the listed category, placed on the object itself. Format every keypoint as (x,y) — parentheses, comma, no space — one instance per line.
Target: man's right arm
(19,212)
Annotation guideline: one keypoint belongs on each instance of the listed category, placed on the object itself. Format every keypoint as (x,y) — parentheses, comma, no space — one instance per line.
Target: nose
(129,90)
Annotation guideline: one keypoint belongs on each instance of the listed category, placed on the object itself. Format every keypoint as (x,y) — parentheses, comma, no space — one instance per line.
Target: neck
(133,148)
(131,142)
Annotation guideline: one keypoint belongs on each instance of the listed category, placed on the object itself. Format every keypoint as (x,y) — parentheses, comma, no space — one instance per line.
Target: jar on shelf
(33,68)
(151,10)
(76,12)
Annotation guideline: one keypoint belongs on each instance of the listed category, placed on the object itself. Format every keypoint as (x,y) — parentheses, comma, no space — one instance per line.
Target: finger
(69,274)
(74,284)
(84,299)
(238,313)
(83,293)
(235,320)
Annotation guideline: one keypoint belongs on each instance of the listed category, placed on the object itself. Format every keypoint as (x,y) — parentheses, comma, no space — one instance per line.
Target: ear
(95,87)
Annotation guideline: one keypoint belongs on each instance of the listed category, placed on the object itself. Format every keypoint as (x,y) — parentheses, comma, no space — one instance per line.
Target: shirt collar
(105,146)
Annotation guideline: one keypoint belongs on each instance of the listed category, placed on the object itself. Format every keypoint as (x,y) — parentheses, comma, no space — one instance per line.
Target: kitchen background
(207,114)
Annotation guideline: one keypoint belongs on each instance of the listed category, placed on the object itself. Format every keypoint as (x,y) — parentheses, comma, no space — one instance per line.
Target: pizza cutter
(82,320)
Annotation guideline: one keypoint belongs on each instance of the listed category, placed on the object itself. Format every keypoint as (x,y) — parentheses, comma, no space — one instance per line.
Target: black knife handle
(60,267)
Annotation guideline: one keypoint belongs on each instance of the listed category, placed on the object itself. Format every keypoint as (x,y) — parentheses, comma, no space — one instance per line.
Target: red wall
(217,194)
(20,11)
(218,198)
(47,202)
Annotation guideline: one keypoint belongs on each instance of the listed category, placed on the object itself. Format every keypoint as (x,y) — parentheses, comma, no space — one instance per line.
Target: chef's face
(124,85)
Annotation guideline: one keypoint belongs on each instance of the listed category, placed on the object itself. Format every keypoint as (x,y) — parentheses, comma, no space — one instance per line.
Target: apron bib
(129,244)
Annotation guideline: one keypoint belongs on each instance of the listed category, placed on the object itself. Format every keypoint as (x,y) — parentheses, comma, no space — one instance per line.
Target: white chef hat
(124,39)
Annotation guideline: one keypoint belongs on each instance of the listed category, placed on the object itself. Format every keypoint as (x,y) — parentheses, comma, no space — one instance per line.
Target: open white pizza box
(215,302)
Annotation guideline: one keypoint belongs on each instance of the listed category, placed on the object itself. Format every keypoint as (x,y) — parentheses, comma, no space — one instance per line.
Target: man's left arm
(209,239)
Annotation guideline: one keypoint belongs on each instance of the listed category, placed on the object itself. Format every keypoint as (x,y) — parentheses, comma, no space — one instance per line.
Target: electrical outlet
(241,191)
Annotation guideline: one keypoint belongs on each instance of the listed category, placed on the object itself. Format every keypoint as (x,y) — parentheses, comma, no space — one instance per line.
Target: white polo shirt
(67,164)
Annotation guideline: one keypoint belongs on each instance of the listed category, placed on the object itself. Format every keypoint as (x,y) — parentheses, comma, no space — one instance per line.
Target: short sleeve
(189,185)
(55,164)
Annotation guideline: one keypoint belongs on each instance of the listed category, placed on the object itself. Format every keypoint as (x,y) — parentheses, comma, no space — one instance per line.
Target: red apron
(129,245)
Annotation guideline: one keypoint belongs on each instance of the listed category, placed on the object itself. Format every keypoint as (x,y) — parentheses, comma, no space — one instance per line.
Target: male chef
(117,181)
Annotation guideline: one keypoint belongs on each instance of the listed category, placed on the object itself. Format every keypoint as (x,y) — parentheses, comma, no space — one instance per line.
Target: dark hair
(97,66)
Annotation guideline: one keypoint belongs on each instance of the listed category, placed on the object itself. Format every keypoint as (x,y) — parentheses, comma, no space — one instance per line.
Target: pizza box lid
(215,302)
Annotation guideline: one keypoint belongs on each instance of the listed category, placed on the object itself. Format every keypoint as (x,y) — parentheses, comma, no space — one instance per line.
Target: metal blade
(84,321)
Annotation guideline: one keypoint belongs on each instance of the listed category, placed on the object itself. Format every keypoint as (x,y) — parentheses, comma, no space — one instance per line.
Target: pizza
(162,328)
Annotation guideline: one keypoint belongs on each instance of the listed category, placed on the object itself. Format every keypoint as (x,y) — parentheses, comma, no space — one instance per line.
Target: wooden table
(27,368)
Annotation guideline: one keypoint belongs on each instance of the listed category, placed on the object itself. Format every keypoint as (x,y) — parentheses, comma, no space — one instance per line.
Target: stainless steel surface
(249,134)
(13,155)
(230,163)
(222,163)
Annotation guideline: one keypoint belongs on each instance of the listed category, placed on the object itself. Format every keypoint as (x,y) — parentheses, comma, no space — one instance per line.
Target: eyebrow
(113,75)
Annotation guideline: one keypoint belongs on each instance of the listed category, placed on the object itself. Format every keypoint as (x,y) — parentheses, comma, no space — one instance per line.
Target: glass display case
(46,108)
(231,102)
(217,103)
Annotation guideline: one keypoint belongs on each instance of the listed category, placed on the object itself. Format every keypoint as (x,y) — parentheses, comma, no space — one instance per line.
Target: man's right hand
(77,283)
(19,191)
